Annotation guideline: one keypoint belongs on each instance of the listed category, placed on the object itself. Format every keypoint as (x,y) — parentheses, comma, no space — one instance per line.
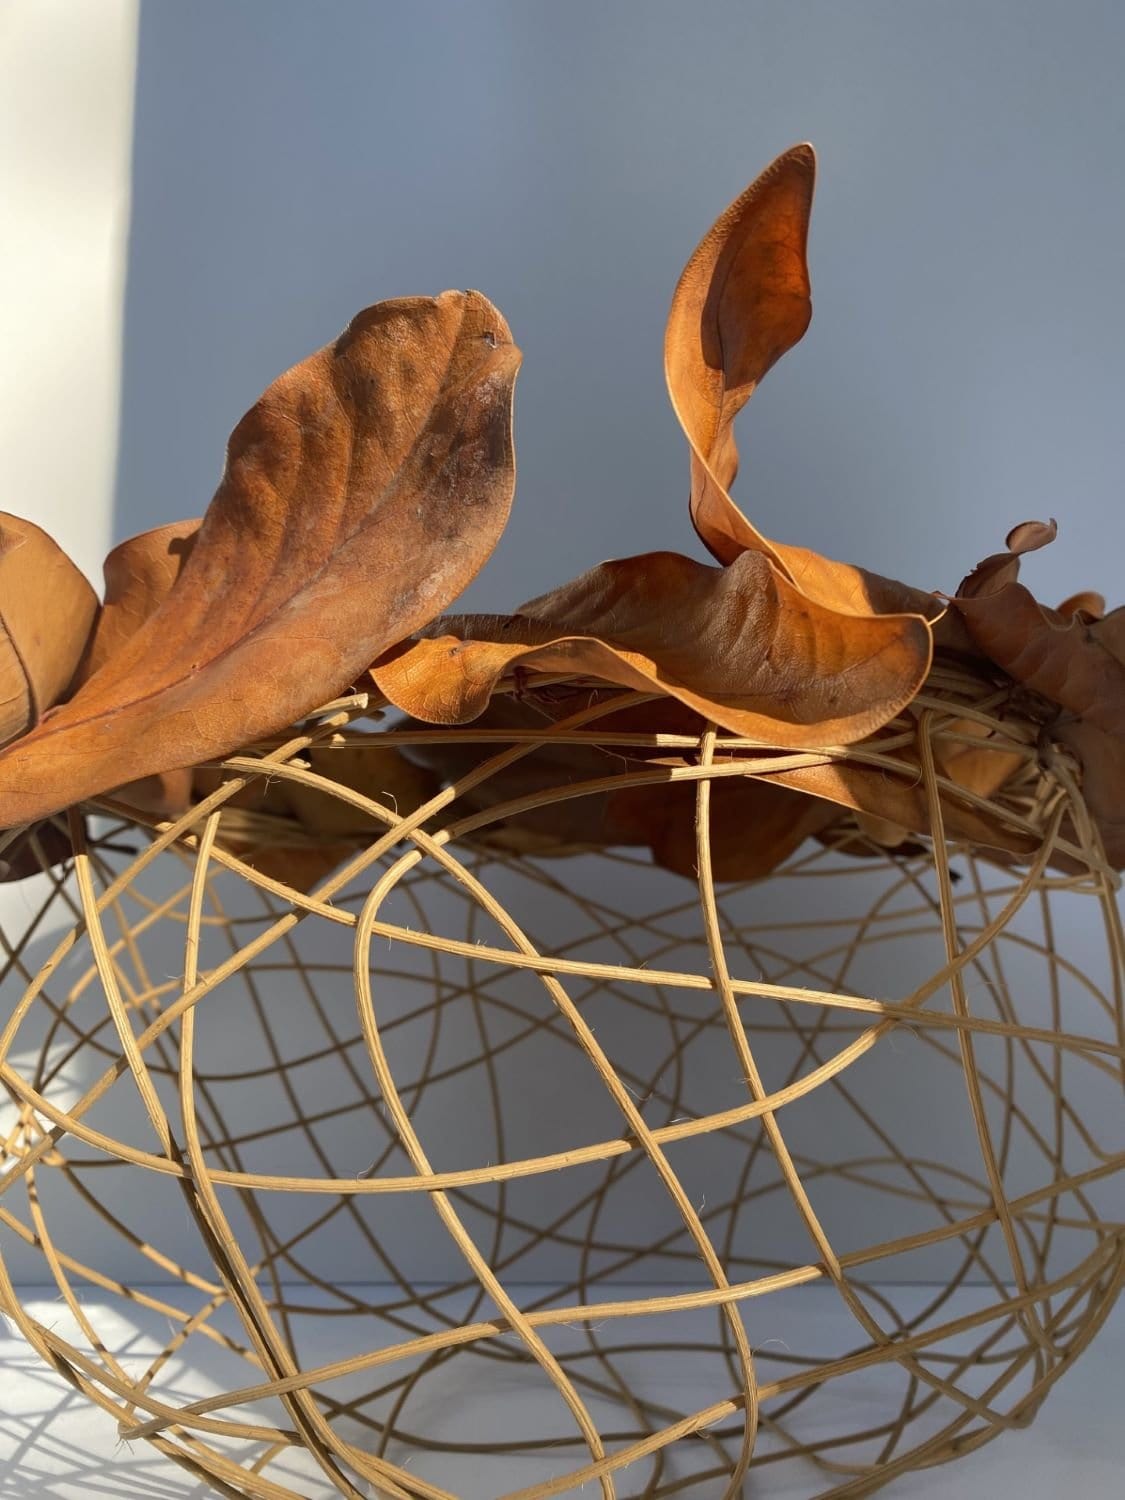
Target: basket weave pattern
(703,1065)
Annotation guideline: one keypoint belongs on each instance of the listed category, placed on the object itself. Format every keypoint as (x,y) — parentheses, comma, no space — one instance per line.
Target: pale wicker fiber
(719,1064)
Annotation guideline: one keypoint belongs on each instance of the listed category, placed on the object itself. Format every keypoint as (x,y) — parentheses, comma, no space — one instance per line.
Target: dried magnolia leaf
(165,794)
(1073,656)
(299,834)
(754,824)
(378,771)
(1002,568)
(901,801)
(1075,661)
(880,831)
(34,851)
(258,827)
(982,768)
(261,794)
(1102,757)
(849,835)
(300,866)
(743,301)
(47,610)
(139,574)
(362,492)
(739,645)
(1086,602)
(874,795)
(560,825)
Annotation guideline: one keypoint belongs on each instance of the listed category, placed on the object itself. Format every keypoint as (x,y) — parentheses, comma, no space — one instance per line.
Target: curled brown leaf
(361,494)
(739,645)
(1002,568)
(47,609)
(139,574)
(297,833)
(754,824)
(742,302)
(1086,602)
(1102,758)
(1071,658)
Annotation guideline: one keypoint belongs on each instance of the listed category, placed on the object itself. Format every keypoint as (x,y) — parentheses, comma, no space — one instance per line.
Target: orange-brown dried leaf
(739,645)
(1073,656)
(754,825)
(47,609)
(378,771)
(1078,664)
(165,794)
(981,767)
(901,800)
(362,492)
(560,825)
(139,574)
(1002,568)
(743,301)
(34,851)
(1086,602)
(1102,757)
(299,834)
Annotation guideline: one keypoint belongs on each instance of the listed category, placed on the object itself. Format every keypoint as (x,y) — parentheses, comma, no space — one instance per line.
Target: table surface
(55,1444)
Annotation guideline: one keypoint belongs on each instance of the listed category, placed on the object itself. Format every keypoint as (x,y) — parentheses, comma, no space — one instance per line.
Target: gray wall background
(293,163)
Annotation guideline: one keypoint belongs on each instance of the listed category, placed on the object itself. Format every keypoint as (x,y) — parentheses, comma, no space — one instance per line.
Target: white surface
(54,1446)
(66,123)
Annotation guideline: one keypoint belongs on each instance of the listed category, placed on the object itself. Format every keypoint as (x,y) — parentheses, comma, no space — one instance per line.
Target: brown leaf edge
(1072,658)
(47,609)
(742,301)
(756,821)
(138,573)
(740,645)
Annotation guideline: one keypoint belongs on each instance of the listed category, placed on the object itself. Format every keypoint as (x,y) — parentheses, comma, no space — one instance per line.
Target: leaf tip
(801,156)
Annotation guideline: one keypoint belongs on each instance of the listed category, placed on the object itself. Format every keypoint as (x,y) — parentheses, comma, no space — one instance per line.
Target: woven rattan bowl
(593,1179)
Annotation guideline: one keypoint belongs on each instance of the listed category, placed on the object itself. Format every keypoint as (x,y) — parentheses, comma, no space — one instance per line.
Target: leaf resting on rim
(1070,657)
(740,645)
(754,825)
(1074,656)
(361,494)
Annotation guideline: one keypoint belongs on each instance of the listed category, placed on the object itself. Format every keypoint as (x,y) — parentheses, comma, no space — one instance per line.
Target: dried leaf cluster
(367,487)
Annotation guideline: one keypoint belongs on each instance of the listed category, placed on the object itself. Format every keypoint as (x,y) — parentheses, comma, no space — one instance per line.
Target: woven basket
(664,1034)
(602,1136)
